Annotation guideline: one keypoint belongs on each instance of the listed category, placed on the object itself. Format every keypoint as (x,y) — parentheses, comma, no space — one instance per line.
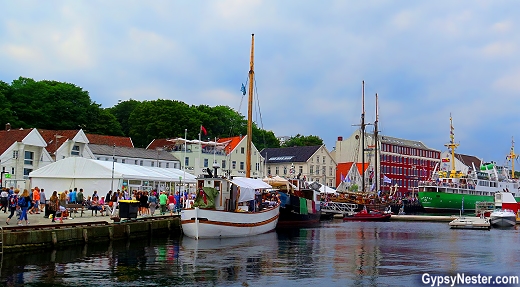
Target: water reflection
(338,253)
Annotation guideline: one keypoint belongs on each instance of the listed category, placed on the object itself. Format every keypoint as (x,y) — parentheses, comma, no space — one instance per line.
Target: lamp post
(56,137)
(113,166)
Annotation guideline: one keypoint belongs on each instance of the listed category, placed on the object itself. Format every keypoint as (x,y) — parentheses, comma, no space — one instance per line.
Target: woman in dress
(54,204)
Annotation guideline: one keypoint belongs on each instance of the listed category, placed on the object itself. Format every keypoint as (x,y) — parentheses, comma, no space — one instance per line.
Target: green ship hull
(445,202)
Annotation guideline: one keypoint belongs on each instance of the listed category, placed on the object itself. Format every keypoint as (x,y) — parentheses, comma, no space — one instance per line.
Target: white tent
(248,187)
(99,175)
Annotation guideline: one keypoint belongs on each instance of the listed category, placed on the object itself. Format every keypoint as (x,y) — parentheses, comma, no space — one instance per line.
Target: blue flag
(243,89)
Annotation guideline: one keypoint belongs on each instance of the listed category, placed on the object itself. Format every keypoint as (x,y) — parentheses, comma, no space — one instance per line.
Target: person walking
(13,204)
(163,200)
(152,202)
(43,200)
(23,203)
(35,201)
(3,199)
(54,205)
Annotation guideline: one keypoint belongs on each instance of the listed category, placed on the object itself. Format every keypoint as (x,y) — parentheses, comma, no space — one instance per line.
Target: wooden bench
(73,206)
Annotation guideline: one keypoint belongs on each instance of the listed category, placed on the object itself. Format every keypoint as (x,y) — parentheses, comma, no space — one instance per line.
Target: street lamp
(113,166)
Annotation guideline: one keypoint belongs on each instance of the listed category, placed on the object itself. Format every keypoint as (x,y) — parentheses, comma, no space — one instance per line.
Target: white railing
(338,207)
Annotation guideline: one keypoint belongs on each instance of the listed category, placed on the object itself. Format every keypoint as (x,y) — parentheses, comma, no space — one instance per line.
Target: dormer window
(75,151)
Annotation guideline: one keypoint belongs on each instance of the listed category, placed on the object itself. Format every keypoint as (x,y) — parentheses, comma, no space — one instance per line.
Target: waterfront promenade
(42,233)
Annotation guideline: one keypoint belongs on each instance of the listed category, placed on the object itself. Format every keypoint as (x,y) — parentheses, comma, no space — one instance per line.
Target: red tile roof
(233,142)
(55,138)
(110,140)
(8,137)
(160,143)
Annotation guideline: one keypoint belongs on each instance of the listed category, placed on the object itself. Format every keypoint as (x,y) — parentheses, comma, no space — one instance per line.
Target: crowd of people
(60,204)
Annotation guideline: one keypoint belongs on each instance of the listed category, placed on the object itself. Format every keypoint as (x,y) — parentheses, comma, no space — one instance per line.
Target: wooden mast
(250,109)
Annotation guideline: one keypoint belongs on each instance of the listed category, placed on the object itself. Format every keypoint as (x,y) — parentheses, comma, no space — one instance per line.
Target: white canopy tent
(99,175)
(248,187)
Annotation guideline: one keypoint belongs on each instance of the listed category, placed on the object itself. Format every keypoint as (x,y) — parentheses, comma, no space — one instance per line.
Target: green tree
(300,140)
(6,111)
(122,113)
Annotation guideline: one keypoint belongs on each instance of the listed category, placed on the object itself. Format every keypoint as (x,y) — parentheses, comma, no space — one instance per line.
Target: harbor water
(336,254)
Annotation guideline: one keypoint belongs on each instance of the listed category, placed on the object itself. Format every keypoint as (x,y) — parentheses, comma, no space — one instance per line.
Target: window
(312,169)
(123,160)
(75,151)
(317,170)
(136,162)
(167,165)
(234,164)
(242,150)
(284,170)
(323,160)
(115,160)
(241,165)
(300,169)
(268,170)
(29,158)
(12,170)
(257,166)
(159,164)
(26,172)
(223,164)
(186,161)
(15,154)
(141,162)
(277,170)
(206,162)
(152,164)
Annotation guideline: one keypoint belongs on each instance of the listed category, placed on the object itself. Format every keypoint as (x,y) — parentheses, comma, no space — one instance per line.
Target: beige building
(312,163)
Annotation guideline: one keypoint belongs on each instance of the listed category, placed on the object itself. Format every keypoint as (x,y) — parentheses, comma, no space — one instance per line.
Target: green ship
(454,190)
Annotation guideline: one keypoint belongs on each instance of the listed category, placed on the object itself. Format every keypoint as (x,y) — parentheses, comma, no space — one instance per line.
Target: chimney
(7,126)
(340,139)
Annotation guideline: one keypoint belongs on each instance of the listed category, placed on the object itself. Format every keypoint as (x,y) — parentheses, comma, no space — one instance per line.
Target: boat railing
(338,207)
(450,185)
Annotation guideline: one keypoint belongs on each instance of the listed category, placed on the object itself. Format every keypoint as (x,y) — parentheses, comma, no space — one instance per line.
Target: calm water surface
(336,254)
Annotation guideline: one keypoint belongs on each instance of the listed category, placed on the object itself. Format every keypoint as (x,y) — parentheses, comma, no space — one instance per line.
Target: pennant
(243,90)
(203,129)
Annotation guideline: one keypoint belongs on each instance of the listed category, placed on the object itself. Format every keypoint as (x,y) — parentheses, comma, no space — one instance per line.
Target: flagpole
(185,143)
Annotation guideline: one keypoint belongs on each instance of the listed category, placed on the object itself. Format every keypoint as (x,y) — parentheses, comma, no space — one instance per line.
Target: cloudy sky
(425,59)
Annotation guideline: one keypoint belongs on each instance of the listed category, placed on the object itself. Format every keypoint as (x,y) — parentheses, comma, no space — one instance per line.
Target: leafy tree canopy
(300,140)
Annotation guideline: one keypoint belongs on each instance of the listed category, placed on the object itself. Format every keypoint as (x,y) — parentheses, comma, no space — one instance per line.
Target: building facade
(312,163)
(401,162)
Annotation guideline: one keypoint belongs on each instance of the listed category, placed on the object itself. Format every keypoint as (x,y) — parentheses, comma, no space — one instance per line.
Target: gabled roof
(344,167)
(233,143)
(9,137)
(109,150)
(110,140)
(55,138)
(160,144)
(403,142)
(289,154)
(469,160)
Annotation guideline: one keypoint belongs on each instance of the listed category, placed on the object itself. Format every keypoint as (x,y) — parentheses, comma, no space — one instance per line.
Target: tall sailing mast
(452,146)
(512,156)
(250,109)
(376,147)
(363,136)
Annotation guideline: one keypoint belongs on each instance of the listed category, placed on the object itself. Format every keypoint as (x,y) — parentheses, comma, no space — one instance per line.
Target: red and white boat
(365,215)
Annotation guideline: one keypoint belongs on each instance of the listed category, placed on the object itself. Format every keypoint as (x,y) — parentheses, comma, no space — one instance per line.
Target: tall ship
(454,190)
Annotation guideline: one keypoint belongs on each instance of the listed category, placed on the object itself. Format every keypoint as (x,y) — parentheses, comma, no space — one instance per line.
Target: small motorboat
(365,215)
(503,218)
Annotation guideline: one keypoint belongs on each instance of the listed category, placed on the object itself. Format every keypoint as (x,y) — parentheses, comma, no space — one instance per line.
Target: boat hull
(209,223)
(449,202)
(368,217)
(502,219)
(289,218)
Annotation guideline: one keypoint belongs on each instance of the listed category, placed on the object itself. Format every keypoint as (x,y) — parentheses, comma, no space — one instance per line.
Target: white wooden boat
(221,207)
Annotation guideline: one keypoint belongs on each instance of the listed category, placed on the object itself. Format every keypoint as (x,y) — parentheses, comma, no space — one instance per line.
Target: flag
(348,179)
(386,179)
(371,174)
(243,90)
(342,177)
(203,129)
(373,187)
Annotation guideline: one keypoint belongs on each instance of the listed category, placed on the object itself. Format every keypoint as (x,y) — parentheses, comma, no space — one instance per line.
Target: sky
(424,59)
